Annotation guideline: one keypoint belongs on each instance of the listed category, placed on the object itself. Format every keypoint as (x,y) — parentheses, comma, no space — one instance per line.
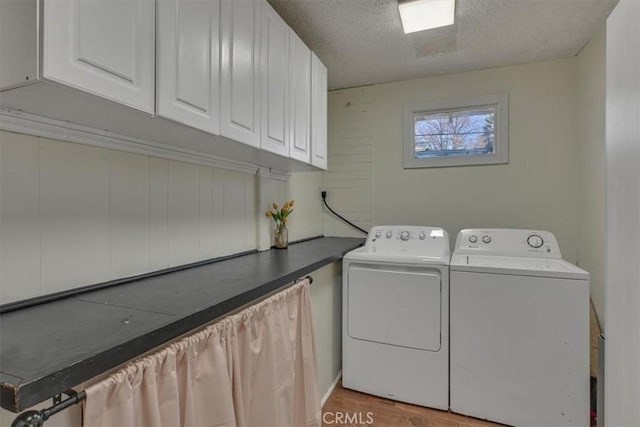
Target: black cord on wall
(324,200)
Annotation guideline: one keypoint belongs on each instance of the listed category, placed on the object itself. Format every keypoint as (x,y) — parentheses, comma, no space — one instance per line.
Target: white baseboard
(332,387)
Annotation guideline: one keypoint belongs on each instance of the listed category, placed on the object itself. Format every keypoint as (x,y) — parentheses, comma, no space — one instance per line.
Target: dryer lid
(523,266)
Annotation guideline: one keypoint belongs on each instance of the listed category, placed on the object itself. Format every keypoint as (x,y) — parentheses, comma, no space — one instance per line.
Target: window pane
(465,132)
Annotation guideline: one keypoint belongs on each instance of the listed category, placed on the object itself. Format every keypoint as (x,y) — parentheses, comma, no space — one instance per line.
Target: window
(456,132)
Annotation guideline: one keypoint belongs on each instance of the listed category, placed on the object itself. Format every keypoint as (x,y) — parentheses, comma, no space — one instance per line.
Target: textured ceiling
(361,41)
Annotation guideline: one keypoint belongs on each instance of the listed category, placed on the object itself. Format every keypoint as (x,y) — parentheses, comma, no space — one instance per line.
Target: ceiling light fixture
(419,15)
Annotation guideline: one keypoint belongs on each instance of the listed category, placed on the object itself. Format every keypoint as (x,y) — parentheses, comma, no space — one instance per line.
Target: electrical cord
(324,200)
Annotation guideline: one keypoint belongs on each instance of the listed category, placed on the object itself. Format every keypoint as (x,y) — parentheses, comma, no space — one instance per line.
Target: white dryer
(519,330)
(395,315)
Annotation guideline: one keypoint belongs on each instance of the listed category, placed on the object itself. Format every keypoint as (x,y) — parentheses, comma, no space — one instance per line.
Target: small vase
(281,237)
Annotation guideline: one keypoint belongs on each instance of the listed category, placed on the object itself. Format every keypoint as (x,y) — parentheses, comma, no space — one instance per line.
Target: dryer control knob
(473,238)
(486,239)
(535,241)
(404,235)
(389,234)
(422,235)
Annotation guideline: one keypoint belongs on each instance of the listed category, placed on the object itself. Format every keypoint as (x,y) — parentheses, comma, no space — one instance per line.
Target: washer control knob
(486,239)
(535,241)
(422,235)
(378,234)
(404,235)
(473,238)
(389,234)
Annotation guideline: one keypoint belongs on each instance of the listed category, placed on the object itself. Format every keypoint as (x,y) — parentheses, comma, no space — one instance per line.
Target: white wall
(269,191)
(74,215)
(622,292)
(555,179)
(326,311)
(349,177)
(591,67)
(306,219)
(537,189)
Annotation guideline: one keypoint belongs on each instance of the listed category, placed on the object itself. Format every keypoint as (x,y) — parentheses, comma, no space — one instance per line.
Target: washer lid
(552,268)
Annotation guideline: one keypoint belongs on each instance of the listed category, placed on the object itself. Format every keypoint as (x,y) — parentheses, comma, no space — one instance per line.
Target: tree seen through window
(454,133)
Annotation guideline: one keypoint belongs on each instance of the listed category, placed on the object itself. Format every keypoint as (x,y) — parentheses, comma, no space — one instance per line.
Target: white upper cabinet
(275,82)
(188,71)
(188,62)
(102,47)
(318,113)
(240,64)
(300,114)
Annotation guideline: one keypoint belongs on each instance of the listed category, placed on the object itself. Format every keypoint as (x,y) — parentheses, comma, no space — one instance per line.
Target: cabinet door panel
(188,62)
(300,99)
(102,47)
(275,82)
(318,113)
(115,55)
(240,91)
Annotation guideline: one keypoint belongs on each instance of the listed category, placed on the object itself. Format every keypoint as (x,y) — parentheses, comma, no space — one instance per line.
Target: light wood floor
(388,413)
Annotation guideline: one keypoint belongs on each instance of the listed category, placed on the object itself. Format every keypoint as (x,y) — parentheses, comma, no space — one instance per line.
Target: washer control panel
(510,242)
(408,240)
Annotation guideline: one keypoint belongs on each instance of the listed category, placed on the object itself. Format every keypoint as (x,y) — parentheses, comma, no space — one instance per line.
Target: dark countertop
(48,348)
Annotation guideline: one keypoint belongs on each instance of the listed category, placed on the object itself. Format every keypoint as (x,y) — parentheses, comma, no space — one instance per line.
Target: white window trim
(501,154)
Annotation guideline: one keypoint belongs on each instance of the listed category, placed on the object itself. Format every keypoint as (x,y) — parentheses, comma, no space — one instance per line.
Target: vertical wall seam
(149,223)
(247,214)
(215,236)
(167,250)
(109,217)
(39,217)
(224,219)
(199,249)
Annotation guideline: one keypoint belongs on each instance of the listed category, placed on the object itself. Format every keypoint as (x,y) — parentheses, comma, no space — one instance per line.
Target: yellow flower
(279,215)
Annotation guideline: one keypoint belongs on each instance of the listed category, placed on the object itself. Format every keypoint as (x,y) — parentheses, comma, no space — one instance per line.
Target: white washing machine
(519,330)
(395,315)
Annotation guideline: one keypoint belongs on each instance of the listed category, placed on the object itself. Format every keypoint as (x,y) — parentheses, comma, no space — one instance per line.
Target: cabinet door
(188,62)
(300,117)
(102,47)
(275,82)
(318,113)
(240,82)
